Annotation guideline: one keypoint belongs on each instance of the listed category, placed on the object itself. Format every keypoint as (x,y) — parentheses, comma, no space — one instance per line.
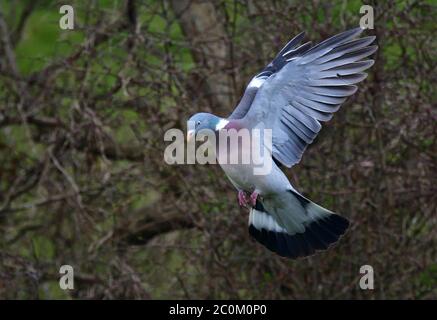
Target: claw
(253,198)
(242,199)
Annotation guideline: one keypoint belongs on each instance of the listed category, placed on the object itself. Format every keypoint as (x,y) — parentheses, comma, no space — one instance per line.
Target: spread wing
(290,50)
(307,90)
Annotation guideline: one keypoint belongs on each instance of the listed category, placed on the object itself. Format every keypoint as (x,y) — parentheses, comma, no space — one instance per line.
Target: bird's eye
(198,123)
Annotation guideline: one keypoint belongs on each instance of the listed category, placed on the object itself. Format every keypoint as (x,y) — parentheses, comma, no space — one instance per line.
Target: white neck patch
(221,124)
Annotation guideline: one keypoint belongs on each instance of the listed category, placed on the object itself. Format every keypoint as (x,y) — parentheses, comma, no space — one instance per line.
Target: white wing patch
(256,82)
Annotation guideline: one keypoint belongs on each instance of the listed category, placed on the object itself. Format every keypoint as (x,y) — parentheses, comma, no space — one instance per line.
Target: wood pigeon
(303,86)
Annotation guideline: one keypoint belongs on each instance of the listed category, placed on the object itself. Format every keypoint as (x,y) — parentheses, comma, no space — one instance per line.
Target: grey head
(202,121)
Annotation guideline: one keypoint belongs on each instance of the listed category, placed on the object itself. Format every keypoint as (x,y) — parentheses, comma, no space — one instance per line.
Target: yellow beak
(190,135)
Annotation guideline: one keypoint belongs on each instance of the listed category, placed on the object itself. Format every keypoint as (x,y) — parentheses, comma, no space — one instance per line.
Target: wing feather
(287,53)
(301,90)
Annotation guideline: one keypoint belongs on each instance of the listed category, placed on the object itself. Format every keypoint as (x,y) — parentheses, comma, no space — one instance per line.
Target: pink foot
(253,198)
(242,198)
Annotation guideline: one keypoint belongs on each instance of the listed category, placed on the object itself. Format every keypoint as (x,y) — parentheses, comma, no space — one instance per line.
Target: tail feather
(319,228)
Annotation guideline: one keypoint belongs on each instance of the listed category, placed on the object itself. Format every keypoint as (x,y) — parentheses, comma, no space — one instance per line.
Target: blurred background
(83,182)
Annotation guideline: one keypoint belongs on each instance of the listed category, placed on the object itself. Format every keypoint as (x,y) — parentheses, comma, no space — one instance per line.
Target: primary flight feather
(303,86)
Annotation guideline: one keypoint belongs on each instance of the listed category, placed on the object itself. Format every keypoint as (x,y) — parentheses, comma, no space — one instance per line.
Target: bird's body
(243,178)
(300,88)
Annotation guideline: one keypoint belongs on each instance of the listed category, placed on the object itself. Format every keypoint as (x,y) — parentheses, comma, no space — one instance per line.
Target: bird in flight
(301,88)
